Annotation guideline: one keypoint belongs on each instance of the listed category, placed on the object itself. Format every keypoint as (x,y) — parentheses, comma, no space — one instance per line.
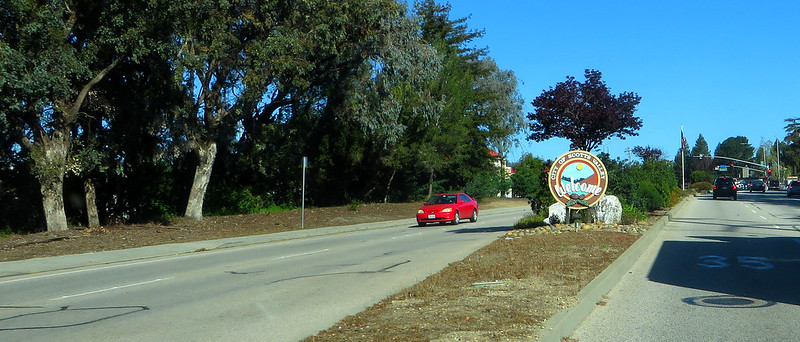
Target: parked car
(442,208)
(724,187)
(758,185)
(793,189)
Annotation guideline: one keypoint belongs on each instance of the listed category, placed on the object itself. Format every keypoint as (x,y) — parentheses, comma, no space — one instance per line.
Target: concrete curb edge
(564,323)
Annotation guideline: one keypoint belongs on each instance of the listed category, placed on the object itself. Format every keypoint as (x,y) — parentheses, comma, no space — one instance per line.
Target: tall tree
(791,155)
(252,63)
(481,107)
(648,153)
(584,113)
(734,147)
(52,55)
(700,147)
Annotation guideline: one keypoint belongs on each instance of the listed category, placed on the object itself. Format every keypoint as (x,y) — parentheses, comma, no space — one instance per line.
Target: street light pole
(778,155)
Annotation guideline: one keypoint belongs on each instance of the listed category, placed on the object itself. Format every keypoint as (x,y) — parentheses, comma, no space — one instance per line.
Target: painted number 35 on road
(751,262)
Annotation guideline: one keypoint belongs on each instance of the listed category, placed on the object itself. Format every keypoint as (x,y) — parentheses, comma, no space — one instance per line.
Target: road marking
(405,236)
(112,288)
(81,271)
(302,254)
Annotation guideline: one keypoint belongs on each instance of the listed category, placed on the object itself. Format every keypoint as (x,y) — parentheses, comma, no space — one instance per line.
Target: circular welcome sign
(578,179)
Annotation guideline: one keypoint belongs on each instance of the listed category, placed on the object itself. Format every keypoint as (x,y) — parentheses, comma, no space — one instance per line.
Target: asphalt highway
(245,289)
(720,270)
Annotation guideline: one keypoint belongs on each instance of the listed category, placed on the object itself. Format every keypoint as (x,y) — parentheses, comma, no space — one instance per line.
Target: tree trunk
(50,158)
(202,175)
(53,203)
(430,184)
(92,218)
(388,186)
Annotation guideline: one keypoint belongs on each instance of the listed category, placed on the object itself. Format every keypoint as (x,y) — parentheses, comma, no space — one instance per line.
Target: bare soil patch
(503,292)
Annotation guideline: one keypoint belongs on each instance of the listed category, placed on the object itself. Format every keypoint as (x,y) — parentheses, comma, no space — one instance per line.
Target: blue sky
(719,68)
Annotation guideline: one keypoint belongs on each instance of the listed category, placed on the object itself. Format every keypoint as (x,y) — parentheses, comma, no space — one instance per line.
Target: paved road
(279,291)
(721,270)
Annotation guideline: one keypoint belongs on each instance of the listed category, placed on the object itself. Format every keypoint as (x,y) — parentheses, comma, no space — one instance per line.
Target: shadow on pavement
(765,268)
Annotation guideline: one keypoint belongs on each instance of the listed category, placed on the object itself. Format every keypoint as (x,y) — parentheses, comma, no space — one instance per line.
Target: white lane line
(301,254)
(112,288)
(80,271)
(405,236)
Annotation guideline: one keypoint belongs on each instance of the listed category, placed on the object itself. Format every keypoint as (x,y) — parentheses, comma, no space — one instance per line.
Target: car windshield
(443,199)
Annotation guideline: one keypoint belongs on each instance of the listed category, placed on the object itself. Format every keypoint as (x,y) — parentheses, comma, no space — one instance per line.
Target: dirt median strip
(536,282)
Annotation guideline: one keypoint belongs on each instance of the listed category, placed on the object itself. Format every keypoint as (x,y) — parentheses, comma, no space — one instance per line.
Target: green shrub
(530,181)
(530,221)
(675,196)
(701,176)
(650,197)
(632,214)
(236,201)
(702,186)
(354,204)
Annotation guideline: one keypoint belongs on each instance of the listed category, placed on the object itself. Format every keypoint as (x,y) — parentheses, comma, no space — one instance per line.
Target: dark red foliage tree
(584,113)
(648,153)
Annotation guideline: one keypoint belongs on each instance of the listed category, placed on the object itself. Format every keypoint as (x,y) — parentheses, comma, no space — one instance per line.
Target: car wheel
(421,224)
(474,217)
(456,218)
(715,197)
(734,198)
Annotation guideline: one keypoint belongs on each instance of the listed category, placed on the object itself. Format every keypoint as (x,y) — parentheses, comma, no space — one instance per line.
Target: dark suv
(724,187)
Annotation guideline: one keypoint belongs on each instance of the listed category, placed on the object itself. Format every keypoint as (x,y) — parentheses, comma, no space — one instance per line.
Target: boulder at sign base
(608,210)
(557,211)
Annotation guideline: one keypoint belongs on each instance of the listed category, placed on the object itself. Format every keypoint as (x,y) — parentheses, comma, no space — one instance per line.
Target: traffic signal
(769,172)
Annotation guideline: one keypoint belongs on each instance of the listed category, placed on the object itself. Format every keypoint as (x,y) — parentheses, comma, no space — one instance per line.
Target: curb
(564,323)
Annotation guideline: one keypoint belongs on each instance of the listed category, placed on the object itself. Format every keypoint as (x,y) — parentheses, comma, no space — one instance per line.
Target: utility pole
(778,155)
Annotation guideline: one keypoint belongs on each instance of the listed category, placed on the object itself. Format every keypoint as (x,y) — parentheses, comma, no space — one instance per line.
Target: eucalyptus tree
(388,93)
(52,56)
(257,63)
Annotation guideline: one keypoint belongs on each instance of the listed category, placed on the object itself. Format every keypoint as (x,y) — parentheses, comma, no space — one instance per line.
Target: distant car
(793,189)
(758,185)
(443,208)
(742,185)
(724,187)
(774,185)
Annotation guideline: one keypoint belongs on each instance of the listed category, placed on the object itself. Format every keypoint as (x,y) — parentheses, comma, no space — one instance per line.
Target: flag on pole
(684,145)
(683,167)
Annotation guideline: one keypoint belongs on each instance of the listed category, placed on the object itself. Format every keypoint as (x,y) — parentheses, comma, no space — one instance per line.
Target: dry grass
(523,282)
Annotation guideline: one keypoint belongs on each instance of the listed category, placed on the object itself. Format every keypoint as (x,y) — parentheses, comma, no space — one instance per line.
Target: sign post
(577,179)
(303,200)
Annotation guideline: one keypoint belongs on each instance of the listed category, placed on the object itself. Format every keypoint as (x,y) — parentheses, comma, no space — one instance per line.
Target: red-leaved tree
(584,113)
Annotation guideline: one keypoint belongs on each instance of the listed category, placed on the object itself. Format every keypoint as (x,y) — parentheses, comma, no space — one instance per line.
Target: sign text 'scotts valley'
(578,179)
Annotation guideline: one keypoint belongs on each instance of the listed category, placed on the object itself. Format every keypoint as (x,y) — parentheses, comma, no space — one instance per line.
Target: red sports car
(447,208)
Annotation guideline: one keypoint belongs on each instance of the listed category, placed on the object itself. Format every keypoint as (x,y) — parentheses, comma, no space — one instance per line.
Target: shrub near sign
(578,179)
